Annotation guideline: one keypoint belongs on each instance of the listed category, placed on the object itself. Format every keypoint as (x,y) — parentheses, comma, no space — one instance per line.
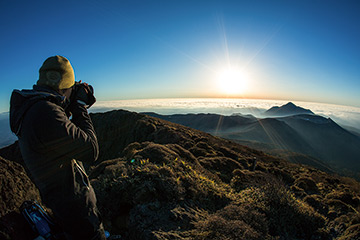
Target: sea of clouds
(343,115)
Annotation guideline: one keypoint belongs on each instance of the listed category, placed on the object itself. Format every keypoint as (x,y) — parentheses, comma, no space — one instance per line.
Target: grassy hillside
(321,139)
(160,180)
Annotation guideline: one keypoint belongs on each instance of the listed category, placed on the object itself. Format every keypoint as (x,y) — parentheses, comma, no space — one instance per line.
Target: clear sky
(288,50)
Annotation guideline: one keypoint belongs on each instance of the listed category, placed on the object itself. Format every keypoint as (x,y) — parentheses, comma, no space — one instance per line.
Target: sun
(231,81)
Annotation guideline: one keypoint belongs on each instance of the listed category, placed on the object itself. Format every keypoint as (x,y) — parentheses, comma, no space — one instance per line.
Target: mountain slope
(161,180)
(271,131)
(332,142)
(305,134)
(207,122)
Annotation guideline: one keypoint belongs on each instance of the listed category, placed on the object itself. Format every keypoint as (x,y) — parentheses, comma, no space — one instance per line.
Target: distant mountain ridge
(318,137)
(287,110)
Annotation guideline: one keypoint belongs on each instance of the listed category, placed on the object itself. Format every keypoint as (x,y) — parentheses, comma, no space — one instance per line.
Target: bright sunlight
(231,81)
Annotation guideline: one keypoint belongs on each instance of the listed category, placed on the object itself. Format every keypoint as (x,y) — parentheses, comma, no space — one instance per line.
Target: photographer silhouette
(54,146)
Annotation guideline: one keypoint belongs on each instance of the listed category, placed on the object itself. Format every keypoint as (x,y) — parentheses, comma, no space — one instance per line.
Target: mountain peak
(289,104)
(288,109)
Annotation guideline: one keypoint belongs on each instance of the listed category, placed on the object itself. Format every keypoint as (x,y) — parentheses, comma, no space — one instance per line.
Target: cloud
(344,115)
(186,105)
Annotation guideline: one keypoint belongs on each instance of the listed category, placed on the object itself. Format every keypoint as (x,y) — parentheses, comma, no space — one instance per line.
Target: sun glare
(231,81)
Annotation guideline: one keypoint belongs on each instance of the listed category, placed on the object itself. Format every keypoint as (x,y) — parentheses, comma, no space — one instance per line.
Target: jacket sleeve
(75,139)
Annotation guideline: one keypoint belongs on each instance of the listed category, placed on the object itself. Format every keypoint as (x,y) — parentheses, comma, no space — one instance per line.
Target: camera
(83,93)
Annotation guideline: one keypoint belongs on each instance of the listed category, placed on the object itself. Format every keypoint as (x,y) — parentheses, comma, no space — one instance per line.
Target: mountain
(7,137)
(160,180)
(331,142)
(207,122)
(249,128)
(288,109)
(312,135)
(353,130)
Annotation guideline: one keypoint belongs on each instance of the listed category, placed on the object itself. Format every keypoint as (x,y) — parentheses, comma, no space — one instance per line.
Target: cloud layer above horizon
(343,115)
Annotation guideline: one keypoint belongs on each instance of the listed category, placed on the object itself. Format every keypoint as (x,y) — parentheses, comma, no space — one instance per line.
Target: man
(53,146)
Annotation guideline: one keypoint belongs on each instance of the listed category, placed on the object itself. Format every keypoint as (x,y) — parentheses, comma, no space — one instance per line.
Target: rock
(15,187)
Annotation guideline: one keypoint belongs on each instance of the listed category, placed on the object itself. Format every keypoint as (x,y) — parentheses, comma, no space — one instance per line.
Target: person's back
(53,146)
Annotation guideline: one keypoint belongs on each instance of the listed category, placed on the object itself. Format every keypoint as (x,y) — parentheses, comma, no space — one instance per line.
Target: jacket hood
(22,100)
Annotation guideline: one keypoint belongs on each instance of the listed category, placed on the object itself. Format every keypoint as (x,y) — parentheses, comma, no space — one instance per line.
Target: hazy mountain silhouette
(160,180)
(7,137)
(287,110)
(307,134)
(353,130)
(332,143)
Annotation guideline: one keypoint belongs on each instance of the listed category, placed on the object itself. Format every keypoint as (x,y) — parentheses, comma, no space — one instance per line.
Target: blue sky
(288,50)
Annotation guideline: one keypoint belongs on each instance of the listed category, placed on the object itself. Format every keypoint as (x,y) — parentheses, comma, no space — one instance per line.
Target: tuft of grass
(232,222)
(307,184)
(352,232)
(287,216)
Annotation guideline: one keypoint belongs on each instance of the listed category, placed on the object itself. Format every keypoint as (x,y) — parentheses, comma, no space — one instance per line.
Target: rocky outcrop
(15,187)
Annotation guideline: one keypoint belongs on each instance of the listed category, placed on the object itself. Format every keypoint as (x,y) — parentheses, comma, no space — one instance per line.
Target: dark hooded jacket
(51,144)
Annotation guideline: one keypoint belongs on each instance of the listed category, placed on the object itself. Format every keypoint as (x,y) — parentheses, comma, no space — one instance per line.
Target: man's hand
(83,93)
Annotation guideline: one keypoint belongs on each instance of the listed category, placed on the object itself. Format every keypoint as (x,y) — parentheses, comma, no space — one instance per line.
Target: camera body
(83,93)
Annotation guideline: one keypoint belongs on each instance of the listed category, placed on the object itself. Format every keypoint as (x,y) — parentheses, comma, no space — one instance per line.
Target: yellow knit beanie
(57,73)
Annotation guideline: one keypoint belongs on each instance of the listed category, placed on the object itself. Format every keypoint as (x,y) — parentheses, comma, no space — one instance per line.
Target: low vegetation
(158,180)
